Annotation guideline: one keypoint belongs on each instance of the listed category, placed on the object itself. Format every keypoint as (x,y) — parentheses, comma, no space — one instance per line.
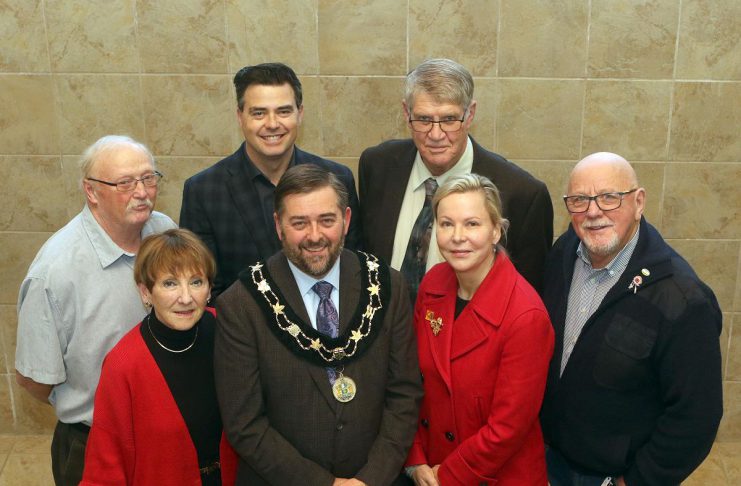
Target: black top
(190,377)
(460,304)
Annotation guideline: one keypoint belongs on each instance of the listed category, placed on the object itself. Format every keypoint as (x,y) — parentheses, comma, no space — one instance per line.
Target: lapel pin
(637,281)
(435,323)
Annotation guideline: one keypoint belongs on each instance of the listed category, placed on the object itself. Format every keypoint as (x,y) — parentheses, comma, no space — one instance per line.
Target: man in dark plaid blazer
(230,204)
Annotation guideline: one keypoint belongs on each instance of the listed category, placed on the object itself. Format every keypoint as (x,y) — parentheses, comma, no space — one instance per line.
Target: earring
(147,305)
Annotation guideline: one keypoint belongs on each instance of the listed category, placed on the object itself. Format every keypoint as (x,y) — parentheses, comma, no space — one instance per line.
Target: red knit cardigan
(139,436)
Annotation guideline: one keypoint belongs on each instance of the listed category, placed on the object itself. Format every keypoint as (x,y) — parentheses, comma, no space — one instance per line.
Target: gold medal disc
(344,389)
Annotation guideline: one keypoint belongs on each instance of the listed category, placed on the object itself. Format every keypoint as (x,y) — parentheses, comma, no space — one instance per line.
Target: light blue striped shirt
(588,288)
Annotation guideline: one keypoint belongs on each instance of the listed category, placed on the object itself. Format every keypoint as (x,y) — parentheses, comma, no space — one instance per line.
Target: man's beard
(316,266)
(603,249)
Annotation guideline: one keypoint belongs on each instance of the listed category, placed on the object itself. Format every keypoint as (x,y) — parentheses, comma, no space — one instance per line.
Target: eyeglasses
(128,185)
(606,201)
(447,125)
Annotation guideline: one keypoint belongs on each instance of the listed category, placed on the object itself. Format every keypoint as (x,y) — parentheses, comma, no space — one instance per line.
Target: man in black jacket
(634,394)
(230,204)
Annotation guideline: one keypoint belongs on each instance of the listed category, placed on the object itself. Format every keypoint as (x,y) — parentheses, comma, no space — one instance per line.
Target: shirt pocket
(623,361)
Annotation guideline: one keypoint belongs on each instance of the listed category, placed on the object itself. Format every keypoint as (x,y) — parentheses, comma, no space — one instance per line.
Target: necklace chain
(165,347)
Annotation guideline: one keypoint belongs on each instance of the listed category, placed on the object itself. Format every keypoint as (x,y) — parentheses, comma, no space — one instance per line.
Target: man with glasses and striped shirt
(634,393)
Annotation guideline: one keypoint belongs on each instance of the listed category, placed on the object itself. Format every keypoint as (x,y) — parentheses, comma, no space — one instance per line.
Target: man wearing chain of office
(315,360)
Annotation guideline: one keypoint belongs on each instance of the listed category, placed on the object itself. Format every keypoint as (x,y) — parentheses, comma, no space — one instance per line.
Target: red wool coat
(484,378)
(139,436)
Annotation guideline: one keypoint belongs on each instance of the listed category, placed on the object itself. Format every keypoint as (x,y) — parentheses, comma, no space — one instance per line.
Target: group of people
(425,332)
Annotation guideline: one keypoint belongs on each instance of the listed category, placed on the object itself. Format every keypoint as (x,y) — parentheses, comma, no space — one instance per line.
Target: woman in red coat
(156,420)
(484,341)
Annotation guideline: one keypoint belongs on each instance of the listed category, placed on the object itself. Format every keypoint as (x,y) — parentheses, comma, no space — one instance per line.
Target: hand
(348,482)
(424,475)
(435,469)
(620,481)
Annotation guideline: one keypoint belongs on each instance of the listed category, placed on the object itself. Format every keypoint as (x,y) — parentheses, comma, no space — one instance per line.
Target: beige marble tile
(182,37)
(74,197)
(632,38)
(27,470)
(22,37)
(32,444)
(6,444)
(285,32)
(6,406)
(709,472)
(730,456)
(92,106)
(28,118)
(543,38)
(705,122)
(8,326)
(19,250)
(483,128)
(31,192)
(92,36)
(310,133)
(627,117)
(359,113)
(465,30)
(360,37)
(651,177)
(555,174)
(730,425)
(710,40)
(190,115)
(32,416)
(702,201)
(539,119)
(733,358)
(715,262)
(737,299)
(176,170)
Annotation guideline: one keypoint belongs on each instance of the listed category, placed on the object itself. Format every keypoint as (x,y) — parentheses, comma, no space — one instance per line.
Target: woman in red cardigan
(484,342)
(156,419)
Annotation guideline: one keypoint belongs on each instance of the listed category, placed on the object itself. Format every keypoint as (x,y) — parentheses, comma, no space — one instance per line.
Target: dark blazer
(485,375)
(641,394)
(277,408)
(383,176)
(222,206)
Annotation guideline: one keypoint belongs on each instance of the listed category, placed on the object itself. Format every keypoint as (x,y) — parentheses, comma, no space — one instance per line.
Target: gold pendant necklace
(165,347)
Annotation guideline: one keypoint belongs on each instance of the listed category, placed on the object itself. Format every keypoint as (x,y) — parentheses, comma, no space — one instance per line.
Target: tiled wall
(658,81)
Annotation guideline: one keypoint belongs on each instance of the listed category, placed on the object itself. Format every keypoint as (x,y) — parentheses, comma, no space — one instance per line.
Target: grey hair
(105,145)
(474,183)
(443,79)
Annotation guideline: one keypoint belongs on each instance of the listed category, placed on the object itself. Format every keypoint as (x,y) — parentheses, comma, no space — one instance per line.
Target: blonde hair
(474,183)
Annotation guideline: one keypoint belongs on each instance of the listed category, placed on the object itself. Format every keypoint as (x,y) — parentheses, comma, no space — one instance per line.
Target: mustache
(137,202)
(593,224)
(314,245)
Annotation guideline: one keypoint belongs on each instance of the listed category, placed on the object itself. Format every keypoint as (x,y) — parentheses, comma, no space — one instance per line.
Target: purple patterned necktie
(415,259)
(327,320)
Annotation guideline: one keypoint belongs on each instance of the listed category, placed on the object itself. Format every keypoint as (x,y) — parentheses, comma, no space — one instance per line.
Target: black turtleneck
(190,377)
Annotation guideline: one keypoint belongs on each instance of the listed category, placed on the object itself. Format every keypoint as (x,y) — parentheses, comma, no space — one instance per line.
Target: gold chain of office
(319,345)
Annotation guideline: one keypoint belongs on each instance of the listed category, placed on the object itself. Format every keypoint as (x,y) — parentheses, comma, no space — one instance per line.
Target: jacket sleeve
(109,454)
(535,238)
(689,368)
(403,394)
(520,384)
(239,390)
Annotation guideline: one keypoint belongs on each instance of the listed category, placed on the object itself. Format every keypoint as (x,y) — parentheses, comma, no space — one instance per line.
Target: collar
(305,282)
(420,172)
(106,250)
(253,172)
(617,264)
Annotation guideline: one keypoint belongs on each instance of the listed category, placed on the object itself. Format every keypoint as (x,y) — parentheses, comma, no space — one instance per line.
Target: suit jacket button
(425,423)
(450,436)
(339,426)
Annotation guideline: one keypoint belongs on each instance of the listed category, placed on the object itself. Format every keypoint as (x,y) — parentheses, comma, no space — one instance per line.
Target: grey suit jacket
(278,410)
(383,175)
